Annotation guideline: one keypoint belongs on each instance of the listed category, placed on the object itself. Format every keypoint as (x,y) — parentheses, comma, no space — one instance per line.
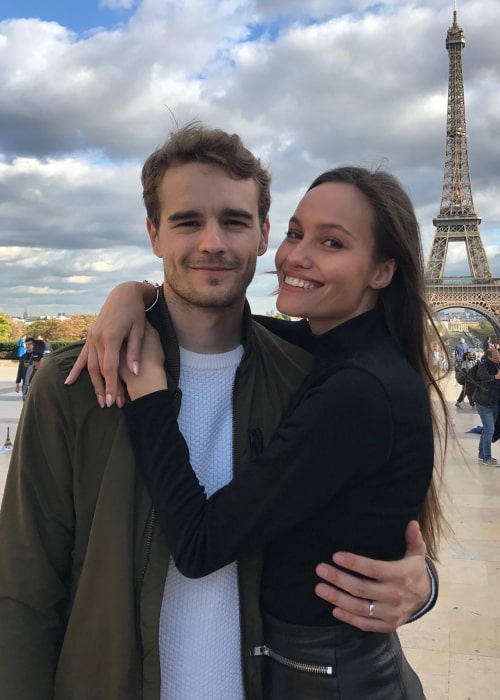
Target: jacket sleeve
(36,542)
(19,374)
(294,477)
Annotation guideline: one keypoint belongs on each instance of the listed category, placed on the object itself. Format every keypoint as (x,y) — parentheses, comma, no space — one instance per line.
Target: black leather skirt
(334,663)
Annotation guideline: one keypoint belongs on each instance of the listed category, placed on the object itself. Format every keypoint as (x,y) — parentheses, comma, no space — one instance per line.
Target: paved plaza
(456,648)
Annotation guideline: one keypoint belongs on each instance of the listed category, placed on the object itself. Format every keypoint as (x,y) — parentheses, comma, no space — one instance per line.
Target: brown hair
(195,143)
(407,314)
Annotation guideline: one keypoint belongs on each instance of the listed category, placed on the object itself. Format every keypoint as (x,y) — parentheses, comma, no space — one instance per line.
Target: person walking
(22,367)
(21,346)
(461,349)
(36,359)
(462,378)
(487,398)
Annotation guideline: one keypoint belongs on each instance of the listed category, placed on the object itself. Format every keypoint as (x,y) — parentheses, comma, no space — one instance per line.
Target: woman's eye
(332,243)
(293,234)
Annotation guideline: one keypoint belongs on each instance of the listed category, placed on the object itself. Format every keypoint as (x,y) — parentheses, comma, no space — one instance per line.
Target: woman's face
(326,267)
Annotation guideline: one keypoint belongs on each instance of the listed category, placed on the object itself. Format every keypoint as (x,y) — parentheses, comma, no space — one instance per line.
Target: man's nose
(211,237)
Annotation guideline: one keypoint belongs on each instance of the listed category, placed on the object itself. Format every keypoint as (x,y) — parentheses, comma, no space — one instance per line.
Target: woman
(352,460)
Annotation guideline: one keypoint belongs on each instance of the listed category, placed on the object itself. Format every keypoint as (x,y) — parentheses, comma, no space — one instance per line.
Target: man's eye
(236,223)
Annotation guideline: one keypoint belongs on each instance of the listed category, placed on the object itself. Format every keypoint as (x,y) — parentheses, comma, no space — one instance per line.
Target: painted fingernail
(119,401)
(109,400)
(100,400)
(135,368)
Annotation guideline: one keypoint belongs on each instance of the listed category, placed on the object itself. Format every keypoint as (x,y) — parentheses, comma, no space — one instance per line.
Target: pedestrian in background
(21,346)
(36,357)
(24,363)
(437,359)
(461,349)
(462,377)
(487,397)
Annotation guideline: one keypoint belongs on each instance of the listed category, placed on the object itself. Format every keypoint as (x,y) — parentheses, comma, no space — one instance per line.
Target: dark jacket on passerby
(82,561)
(22,366)
(487,392)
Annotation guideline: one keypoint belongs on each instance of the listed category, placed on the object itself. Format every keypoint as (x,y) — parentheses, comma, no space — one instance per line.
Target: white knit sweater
(199,622)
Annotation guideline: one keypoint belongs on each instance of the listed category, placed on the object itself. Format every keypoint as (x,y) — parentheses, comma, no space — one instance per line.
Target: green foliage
(4,326)
(278,314)
(55,329)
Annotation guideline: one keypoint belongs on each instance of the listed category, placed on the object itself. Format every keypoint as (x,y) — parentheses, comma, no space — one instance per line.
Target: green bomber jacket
(82,560)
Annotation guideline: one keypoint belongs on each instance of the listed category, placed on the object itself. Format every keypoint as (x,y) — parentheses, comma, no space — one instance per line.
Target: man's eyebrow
(181,215)
(326,226)
(227,211)
(237,213)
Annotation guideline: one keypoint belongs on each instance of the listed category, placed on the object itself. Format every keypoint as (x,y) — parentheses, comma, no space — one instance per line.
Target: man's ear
(384,274)
(264,237)
(154,238)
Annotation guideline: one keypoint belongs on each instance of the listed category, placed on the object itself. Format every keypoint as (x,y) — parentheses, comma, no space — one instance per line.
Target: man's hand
(399,589)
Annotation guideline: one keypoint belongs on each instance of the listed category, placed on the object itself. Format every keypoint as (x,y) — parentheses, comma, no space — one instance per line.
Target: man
(22,367)
(90,606)
(36,359)
(487,400)
(460,350)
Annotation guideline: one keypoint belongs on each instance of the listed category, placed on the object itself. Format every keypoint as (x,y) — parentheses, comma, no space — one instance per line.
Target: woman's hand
(152,376)
(122,318)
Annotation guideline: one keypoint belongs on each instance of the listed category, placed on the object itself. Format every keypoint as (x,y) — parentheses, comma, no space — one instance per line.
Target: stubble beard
(188,295)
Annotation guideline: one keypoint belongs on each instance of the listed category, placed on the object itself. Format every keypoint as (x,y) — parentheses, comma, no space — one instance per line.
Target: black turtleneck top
(346,470)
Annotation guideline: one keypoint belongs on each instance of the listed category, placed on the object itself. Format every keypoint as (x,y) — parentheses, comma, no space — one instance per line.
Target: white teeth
(295,282)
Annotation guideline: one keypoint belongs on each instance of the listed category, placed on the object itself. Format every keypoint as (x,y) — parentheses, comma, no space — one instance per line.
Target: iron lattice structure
(457,219)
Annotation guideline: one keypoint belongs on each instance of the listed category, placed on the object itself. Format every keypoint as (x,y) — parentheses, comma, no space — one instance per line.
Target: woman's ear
(385,272)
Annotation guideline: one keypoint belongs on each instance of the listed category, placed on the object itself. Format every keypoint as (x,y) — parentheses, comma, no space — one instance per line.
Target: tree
(4,327)
(54,329)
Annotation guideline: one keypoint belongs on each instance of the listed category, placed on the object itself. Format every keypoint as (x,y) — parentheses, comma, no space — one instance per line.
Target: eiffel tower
(457,220)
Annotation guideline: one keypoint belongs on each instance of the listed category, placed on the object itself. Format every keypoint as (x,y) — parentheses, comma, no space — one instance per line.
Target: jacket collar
(160,318)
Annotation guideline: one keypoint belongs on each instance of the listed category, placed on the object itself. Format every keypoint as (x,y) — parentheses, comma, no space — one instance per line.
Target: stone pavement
(455,648)
(10,410)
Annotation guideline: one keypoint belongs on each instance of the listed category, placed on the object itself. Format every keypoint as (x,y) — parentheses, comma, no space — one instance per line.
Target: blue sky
(79,15)
(89,90)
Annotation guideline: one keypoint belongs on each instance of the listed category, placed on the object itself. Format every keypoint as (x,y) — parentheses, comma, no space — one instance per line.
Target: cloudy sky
(89,89)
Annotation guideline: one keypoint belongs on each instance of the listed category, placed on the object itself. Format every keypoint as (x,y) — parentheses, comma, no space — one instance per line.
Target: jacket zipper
(317,669)
(140,580)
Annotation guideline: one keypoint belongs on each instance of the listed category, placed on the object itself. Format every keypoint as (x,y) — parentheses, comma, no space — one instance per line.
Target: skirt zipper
(264,650)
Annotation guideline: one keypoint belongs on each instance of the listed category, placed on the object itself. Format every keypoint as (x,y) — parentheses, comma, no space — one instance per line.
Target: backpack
(472,373)
(460,375)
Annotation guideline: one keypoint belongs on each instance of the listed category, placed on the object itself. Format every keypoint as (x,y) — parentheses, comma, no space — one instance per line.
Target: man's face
(495,356)
(209,235)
